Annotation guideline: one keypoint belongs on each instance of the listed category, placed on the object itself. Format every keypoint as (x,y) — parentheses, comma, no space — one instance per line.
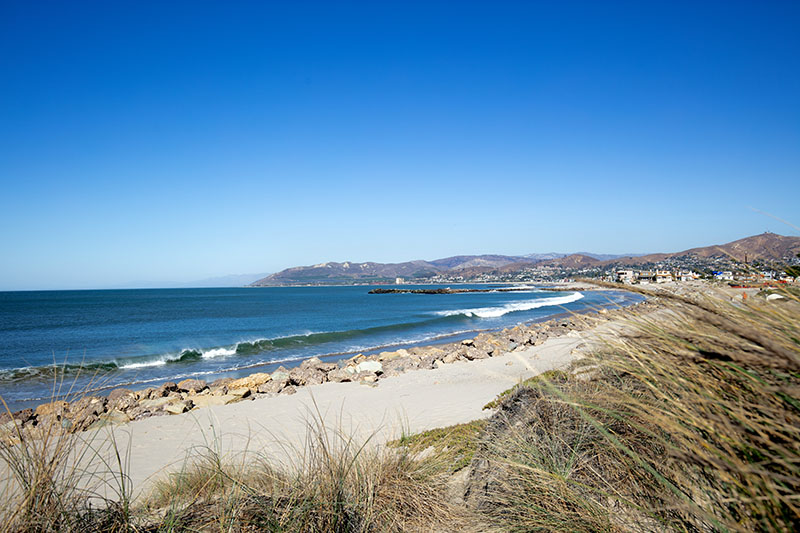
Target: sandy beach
(276,427)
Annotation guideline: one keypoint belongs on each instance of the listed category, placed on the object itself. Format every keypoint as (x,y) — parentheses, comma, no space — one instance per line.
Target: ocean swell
(527,305)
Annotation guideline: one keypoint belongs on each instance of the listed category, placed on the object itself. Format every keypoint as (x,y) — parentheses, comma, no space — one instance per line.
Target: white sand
(412,402)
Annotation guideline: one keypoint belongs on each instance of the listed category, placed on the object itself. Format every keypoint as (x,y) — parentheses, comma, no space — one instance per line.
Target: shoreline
(382,397)
(123,377)
(88,410)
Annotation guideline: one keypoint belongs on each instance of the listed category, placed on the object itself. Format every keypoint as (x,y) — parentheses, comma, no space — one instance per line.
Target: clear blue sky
(176,141)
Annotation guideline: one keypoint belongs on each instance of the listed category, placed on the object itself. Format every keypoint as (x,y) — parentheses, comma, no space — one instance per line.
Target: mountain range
(767,247)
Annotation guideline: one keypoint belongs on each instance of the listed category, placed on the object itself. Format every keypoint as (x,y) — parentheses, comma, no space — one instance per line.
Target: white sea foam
(219,352)
(145,364)
(527,305)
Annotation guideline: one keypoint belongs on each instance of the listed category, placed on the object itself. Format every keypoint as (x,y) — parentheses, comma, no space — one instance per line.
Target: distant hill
(766,247)
(461,262)
(573,261)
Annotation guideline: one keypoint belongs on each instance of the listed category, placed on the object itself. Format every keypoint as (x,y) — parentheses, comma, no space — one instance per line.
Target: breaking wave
(259,346)
(527,305)
(191,355)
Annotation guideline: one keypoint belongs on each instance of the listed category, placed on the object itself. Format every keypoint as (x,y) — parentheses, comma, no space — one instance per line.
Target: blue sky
(177,141)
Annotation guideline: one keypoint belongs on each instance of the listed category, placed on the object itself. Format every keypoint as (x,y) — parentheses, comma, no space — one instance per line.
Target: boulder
(166,388)
(451,357)
(471,353)
(122,399)
(340,375)
(390,356)
(398,366)
(181,406)
(241,392)
(93,404)
(366,377)
(57,408)
(272,387)
(306,376)
(218,391)
(289,390)
(280,375)
(109,418)
(369,366)
(24,416)
(85,411)
(251,382)
(156,403)
(148,393)
(315,363)
(119,393)
(428,362)
(192,385)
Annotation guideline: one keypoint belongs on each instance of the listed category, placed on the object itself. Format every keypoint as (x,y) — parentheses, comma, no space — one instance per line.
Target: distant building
(662,276)
(625,276)
(399,281)
(646,276)
(727,275)
(686,275)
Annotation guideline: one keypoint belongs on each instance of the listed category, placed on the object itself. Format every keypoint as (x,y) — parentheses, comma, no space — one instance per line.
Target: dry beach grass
(684,419)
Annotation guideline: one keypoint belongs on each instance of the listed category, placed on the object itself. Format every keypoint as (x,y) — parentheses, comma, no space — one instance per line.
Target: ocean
(53,342)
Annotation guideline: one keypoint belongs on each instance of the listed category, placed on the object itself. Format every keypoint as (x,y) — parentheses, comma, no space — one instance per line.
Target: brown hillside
(764,247)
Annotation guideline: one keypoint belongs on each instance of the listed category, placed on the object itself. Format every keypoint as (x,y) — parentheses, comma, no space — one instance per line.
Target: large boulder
(166,388)
(148,393)
(121,399)
(340,375)
(24,416)
(280,379)
(451,357)
(57,408)
(192,385)
(241,392)
(315,363)
(471,353)
(181,406)
(397,366)
(155,403)
(369,366)
(365,377)
(110,418)
(306,376)
(119,393)
(250,382)
(390,356)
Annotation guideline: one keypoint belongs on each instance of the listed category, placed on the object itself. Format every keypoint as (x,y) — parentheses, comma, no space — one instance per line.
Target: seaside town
(682,269)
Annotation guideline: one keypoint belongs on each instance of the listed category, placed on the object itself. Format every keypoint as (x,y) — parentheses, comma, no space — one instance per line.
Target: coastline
(98,406)
(379,400)
(264,348)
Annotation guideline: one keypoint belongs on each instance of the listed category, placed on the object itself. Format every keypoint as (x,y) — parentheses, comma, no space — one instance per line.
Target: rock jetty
(446,290)
(124,405)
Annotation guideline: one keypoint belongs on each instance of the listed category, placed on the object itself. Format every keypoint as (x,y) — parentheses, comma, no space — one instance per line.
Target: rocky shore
(125,405)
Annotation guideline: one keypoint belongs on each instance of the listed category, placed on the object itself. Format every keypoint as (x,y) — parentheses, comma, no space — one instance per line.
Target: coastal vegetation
(685,418)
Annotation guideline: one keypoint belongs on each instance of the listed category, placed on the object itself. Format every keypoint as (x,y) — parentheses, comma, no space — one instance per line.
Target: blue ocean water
(136,338)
